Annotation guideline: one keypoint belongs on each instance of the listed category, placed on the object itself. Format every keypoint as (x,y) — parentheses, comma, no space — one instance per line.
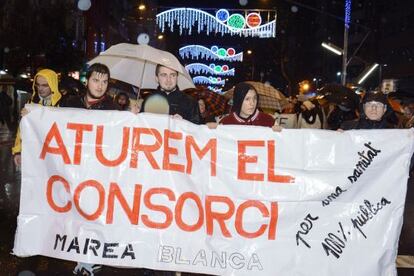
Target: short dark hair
(157,69)
(98,68)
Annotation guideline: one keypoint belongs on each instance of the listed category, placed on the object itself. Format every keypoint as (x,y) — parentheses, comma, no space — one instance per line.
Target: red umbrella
(215,103)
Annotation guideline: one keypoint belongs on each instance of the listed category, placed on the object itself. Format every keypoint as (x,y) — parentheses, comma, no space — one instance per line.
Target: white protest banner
(113,188)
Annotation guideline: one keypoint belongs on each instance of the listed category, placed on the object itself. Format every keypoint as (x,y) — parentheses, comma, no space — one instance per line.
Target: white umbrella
(135,64)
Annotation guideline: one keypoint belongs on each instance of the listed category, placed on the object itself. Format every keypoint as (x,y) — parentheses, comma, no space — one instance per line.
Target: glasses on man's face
(374,105)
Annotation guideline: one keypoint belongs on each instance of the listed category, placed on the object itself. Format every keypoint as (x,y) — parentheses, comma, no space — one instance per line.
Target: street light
(333,48)
(367,72)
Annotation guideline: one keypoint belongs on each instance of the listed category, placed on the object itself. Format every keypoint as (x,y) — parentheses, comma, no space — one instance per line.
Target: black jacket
(182,104)
(364,123)
(106,103)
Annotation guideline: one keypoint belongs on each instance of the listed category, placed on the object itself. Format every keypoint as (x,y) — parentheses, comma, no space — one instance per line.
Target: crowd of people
(373,112)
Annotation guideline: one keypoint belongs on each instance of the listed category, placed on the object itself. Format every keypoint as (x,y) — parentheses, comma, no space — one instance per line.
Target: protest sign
(113,188)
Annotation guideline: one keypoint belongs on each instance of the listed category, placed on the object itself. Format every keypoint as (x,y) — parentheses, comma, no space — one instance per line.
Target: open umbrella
(270,97)
(135,64)
(215,103)
(340,95)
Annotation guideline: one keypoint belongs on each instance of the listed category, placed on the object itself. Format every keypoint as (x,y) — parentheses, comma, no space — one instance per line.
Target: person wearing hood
(182,106)
(373,114)
(311,115)
(46,93)
(245,109)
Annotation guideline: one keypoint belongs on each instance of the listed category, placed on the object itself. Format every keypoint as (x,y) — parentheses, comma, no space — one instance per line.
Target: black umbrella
(340,95)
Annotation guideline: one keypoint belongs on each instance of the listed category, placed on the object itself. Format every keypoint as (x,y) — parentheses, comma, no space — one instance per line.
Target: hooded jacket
(256,119)
(52,81)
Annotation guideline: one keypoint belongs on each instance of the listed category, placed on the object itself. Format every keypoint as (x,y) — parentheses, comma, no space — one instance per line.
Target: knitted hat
(375,97)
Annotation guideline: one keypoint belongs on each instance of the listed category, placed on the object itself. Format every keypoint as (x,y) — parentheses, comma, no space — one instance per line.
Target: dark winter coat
(182,104)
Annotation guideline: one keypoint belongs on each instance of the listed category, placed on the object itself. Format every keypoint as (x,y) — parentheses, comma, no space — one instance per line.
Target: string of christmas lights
(223,23)
(214,53)
(215,89)
(208,80)
(220,70)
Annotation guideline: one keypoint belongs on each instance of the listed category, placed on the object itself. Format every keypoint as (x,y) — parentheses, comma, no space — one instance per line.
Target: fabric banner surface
(113,188)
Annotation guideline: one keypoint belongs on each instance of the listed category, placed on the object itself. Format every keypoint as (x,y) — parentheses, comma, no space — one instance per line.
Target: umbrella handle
(141,80)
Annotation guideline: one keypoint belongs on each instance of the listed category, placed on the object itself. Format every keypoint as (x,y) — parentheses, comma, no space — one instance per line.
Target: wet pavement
(39,265)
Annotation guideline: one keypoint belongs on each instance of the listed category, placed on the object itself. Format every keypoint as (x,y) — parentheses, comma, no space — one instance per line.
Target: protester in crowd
(288,118)
(340,113)
(45,92)
(96,97)
(122,100)
(407,116)
(245,109)
(311,115)
(5,103)
(373,114)
(205,116)
(182,106)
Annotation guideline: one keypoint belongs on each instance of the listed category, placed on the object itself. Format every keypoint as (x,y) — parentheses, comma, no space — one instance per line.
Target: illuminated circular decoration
(222,52)
(143,39)
(214,49)
(243,2)
(236,21)
(84,5)
(212,65)
(222,15)
(231,52)
(217,68)
(218,79)
(225,68)
(253,20)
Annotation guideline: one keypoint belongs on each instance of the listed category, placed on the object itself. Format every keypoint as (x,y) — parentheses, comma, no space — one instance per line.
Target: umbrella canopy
(135,64)
(341,95)
(215,103)
(270,97)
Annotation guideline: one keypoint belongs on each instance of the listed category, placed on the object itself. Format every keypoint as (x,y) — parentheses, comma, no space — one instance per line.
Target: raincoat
(52,81)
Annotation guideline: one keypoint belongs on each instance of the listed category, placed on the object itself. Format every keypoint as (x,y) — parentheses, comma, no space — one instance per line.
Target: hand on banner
(17,158)
(276,127)
(177,116)
(24,112)
(340,130)
(212,125)
(135,108)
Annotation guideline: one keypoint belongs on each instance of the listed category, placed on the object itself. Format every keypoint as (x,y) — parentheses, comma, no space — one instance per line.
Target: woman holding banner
(245,109)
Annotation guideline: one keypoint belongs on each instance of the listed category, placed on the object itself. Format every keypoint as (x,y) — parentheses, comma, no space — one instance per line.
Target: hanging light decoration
(215,89)
(84,5)
(209,80)
(212,69)
(223,22)
(214,53)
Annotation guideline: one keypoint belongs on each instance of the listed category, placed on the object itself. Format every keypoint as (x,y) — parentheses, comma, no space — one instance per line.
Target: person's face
(201,106)
(249,104)
(122,100)
(409,110)
(167,78)
(374,110)
(42,87)
(97,85)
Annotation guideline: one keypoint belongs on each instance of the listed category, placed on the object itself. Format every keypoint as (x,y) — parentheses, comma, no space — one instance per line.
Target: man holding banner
(181,105)
(97,79)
